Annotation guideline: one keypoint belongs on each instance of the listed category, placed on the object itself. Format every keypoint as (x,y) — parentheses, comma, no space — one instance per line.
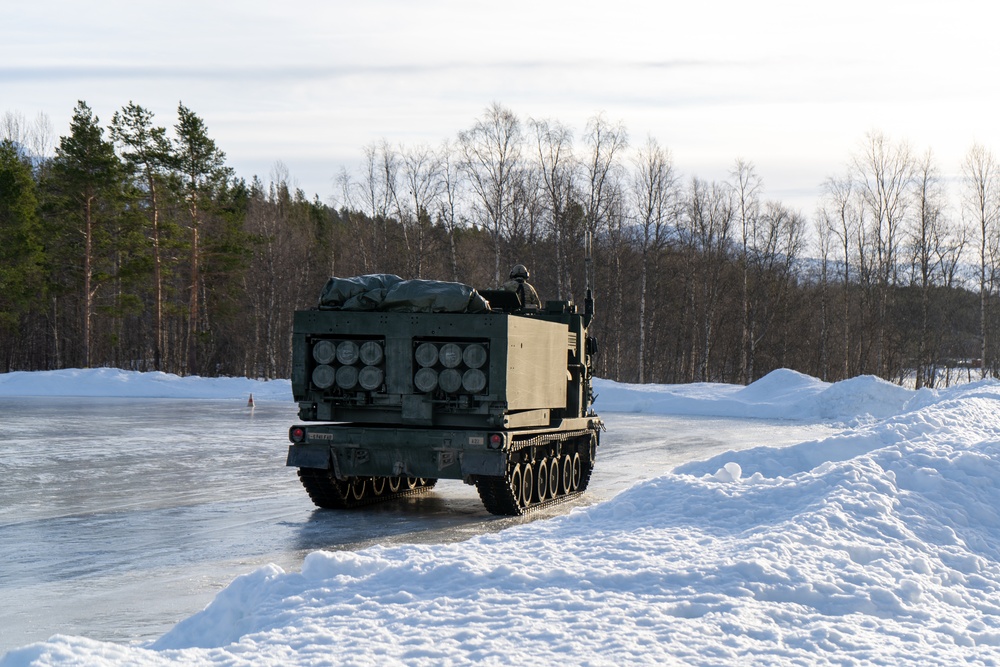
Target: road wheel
(577,471)
(516,487)
(554,475)
(527,485)
(542,483)
(567,474)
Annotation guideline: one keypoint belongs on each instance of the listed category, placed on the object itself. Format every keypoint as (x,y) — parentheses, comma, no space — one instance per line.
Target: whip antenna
(588,261)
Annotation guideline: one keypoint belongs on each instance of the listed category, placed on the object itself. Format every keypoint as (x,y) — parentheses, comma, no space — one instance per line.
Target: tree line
(132,246)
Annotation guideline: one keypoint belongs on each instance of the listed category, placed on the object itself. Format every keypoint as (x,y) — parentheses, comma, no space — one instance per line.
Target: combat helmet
(520,271)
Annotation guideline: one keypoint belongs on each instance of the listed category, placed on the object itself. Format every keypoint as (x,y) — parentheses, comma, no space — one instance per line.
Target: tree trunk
(88,297)
(642,320)
(192,329)
(158,335)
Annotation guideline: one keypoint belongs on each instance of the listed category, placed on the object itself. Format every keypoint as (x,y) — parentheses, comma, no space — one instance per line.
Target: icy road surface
(121,517)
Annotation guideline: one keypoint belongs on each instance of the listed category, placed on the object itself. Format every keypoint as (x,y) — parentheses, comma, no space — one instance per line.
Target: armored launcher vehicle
(404,382)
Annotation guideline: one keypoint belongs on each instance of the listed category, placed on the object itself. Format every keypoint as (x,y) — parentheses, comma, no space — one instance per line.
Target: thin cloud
(30,73)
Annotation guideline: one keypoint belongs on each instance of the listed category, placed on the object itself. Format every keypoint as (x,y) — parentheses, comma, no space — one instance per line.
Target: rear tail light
(297,434)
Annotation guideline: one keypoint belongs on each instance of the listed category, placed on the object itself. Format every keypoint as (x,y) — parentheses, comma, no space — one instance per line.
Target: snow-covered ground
(877,545)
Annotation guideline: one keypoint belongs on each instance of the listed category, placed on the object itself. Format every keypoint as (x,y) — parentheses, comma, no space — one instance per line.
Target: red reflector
(298,434)
(495,439)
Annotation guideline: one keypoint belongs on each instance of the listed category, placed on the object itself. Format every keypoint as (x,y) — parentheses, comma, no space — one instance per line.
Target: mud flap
(309,456)
(417,410)
(483,463)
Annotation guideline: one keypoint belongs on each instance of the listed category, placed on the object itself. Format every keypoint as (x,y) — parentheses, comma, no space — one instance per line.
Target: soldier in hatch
(519,283)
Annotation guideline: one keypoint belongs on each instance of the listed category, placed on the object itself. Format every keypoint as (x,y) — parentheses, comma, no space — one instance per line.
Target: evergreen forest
(132,245)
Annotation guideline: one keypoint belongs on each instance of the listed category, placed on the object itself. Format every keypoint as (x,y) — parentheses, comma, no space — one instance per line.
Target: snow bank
(782,394)
(880,545)
(113,382)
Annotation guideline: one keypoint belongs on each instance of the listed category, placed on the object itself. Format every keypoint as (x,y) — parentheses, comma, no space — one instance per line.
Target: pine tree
(85,177)
(21,253)
(201,166)
(146,151)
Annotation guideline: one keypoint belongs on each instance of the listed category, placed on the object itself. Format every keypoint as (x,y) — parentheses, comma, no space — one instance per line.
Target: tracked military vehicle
(404,382)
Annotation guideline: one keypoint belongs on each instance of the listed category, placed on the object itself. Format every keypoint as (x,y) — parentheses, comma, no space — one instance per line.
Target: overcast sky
(790,86)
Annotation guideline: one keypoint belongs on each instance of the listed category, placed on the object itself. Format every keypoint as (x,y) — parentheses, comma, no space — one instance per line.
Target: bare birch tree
(523,226)
(451,188)
(710,216)
(601,193)
(777,245)
(840,212)
(349,196)
(32,139)
(655,195)
(422,184)
(981,203)
(926,238)
(554,145)
(491,151)
(379,188)
(602,171)
(824,247)
(884,172)
(278,273)
(747,187)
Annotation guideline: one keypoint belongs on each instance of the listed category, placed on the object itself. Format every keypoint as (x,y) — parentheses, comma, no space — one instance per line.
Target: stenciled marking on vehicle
(476,440)
(321,436)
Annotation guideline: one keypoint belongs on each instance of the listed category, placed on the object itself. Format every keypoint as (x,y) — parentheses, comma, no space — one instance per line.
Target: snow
(115,383)
(878,545)
(782,394)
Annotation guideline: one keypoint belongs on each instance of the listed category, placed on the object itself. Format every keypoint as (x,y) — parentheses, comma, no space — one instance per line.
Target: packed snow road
(120,517)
